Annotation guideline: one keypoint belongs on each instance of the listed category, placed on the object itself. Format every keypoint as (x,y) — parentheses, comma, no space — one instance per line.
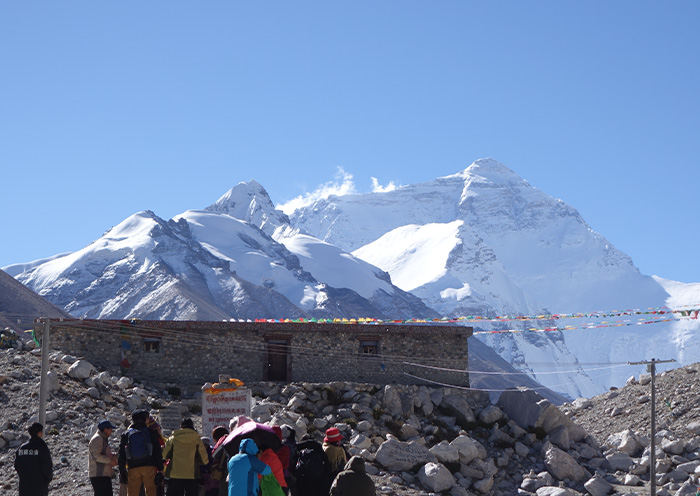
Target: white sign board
(219,406)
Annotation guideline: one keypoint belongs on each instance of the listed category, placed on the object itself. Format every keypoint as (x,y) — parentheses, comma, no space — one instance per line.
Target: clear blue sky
(109,108)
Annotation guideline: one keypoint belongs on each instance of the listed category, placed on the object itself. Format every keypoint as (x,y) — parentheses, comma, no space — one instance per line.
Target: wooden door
(277,360)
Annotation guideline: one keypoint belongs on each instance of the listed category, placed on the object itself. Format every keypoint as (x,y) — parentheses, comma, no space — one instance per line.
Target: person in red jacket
(284,454)
(270,458)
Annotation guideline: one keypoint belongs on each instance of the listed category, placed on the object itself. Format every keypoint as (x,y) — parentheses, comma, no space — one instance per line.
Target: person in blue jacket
(243,470)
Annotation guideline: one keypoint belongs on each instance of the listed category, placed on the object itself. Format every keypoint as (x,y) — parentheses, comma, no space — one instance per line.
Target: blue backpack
(139,447)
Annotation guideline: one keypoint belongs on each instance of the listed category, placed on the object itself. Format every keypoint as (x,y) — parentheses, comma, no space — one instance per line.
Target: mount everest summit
(479,242)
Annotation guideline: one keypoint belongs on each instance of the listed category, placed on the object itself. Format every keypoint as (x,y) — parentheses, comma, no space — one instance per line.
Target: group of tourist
(187,464)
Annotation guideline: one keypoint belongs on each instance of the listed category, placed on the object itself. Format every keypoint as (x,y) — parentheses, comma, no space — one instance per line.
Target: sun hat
(333,435)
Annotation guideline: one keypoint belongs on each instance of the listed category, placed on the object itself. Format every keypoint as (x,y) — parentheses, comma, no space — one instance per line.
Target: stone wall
(197,352)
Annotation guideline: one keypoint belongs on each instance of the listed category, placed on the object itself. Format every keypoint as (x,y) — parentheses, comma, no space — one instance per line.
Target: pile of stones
(416,440)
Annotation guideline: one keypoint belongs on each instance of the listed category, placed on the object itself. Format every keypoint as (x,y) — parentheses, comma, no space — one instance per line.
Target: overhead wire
(496,390)
(444,369)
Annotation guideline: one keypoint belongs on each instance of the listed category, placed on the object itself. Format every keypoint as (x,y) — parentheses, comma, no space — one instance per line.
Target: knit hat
(333,435)
(187,423)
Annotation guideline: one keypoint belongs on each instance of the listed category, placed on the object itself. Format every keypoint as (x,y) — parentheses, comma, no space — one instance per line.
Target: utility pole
(651,368)
(44,385)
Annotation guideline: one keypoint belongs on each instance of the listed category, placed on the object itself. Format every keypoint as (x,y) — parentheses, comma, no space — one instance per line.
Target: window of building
(368,347)
(151,345)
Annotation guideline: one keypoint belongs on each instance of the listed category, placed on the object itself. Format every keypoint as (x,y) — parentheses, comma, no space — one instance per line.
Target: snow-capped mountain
(479,242)
(488,243)
(208,265)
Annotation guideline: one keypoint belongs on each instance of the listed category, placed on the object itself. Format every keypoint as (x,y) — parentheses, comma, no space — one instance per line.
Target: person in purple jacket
(243,470)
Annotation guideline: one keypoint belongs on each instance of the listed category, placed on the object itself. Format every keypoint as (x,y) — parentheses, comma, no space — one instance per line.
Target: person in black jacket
(142,471)
(312,468)
(33,464)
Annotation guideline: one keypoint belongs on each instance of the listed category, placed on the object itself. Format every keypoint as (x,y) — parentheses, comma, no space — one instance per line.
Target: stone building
(195,352)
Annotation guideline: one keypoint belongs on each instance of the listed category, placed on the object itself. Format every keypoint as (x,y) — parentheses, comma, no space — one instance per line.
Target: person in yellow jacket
(181,450)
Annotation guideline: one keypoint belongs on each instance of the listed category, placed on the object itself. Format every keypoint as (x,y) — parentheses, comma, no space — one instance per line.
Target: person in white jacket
(101,460)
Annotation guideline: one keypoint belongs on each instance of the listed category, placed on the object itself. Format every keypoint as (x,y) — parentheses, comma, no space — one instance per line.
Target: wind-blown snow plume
(341,185)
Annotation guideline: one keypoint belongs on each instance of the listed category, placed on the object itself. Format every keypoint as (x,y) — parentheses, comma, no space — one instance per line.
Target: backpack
(311,463)
(270,487)
(139,447)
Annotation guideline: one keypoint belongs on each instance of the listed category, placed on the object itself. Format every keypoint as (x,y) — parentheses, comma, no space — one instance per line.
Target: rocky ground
(415,440)
(677,405)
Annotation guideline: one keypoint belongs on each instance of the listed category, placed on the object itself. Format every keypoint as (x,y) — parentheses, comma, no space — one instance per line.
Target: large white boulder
(54,381)
(467,448)
(395,455)
(361,442)
(391,401)
(490,415)
(408,431)
(436,477)
(598,486)
(562,465)
(81,369)
(364,426)
(536,414)
(445,452)
(620,461)
(555,491)
(625,441)
(124,383)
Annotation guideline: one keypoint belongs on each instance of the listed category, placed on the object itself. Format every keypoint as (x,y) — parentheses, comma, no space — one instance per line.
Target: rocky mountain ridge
(415,440)
(19,305)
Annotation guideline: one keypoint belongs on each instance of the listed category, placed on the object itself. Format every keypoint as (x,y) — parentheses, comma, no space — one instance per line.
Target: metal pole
(652,462)
(651,368)
(44,386)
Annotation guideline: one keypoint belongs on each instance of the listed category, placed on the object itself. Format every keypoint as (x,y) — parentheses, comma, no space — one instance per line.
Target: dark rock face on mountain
(19,305)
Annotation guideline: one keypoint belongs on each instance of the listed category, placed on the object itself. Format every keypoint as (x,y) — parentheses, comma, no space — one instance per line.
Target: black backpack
(139,447)
(311,463)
